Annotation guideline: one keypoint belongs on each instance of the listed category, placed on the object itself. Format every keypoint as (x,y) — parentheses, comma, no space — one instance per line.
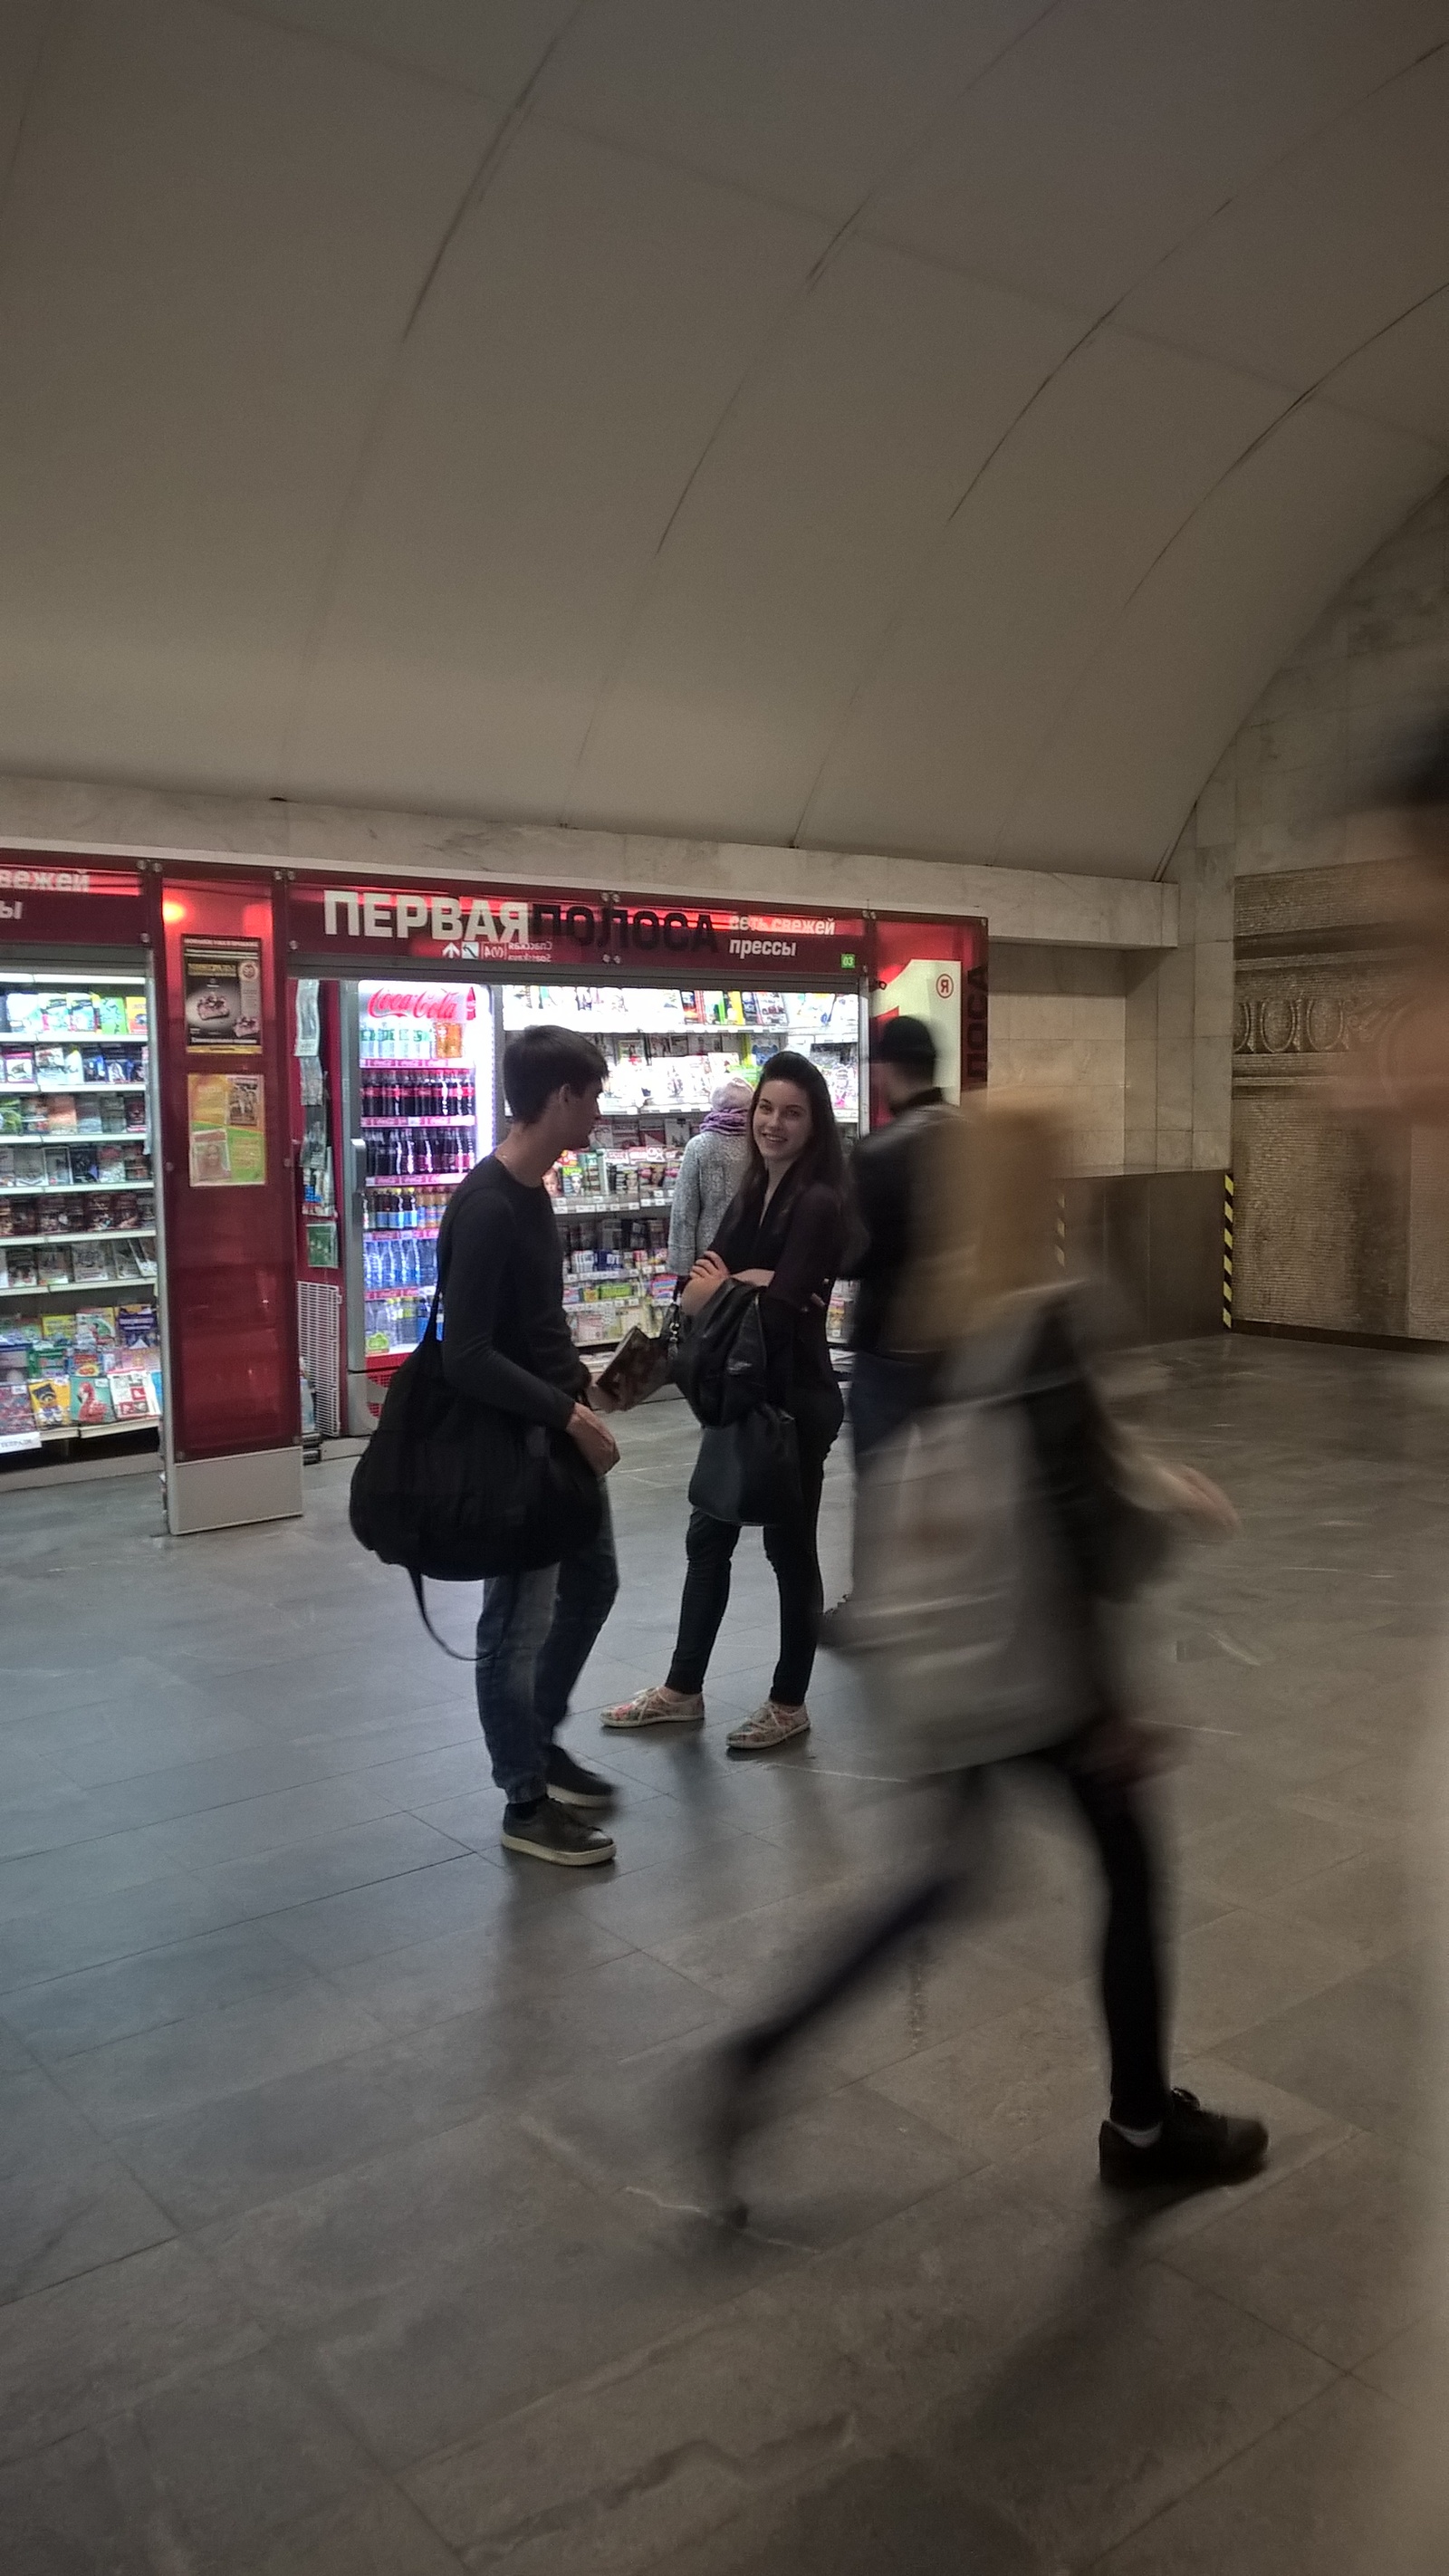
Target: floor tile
(1305,2500)
(185,2064)
(125,1996)
(1354,2048)
(1328,2256)
(73,2355)
(241,2452)
(67,2204)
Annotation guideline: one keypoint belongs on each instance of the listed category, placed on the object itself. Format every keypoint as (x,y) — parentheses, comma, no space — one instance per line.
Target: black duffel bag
(455,1491)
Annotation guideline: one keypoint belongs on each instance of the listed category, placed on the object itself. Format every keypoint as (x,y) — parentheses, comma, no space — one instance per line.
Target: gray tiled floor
(348,2227)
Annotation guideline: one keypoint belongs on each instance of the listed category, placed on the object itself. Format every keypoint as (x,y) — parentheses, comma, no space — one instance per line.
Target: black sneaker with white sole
(549,1832)
(1194,2149)
(574,1786)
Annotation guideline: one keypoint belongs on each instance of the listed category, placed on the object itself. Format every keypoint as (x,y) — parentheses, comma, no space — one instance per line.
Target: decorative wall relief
(1331,1233)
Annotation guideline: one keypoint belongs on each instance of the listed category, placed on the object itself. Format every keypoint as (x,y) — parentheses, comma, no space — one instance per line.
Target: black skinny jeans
(1115,1815)
(790,1546)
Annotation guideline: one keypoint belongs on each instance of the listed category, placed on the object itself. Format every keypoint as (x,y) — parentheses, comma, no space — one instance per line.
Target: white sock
(1138,2137)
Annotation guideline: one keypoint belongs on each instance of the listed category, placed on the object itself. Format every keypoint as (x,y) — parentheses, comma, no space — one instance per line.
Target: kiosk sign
(47,903)
(526,933)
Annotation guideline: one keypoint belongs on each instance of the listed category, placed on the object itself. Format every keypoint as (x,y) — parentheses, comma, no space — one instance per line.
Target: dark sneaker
(551,1833)
(572,1785)
(1196,2148)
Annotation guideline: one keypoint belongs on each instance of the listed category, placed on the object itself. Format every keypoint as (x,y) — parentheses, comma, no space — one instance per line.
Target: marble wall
(1059,1023)
(1337,1231)
(1017,903)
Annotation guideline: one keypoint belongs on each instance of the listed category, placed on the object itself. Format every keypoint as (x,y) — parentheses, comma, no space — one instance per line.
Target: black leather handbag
(748,1471)
(457,1491)
(719,1363)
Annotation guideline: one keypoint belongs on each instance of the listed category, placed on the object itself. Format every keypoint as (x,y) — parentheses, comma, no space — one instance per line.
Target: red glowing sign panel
(527,932)
(68,903)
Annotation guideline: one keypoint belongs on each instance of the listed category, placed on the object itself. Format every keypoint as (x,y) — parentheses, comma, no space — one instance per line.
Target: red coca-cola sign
(528,931)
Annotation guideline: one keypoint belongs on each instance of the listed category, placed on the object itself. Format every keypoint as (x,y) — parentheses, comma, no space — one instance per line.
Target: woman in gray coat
(709,1175)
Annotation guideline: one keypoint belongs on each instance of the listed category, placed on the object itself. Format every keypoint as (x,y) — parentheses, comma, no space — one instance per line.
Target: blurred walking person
(1010,1526)
(782,1234)
(889,1179)
(712,1167)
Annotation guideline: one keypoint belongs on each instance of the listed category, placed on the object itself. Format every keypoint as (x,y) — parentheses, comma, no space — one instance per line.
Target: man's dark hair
(539,1062)
(823,1158)
(909,1044)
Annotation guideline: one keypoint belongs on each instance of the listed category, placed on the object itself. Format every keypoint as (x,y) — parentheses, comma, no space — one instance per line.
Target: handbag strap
(452,1652)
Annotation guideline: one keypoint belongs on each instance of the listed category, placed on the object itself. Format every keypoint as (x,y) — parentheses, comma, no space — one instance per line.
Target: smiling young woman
(783,1234)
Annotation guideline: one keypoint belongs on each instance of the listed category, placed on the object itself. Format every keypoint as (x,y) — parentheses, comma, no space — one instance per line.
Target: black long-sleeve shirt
(799,1237)
(506,1341)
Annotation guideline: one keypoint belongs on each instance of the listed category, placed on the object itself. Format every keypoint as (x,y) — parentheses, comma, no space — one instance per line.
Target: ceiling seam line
(491,161)
(1218,484)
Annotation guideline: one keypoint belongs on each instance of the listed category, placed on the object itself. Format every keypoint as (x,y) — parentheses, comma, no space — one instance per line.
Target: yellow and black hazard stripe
(1227,1251)
(1061,1229)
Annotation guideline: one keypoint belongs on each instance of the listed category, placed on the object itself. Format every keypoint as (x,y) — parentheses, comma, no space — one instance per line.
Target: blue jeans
(535,1635)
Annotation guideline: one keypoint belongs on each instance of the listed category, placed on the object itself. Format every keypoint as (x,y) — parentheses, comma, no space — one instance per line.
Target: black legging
(790,1546)
(1131,1981)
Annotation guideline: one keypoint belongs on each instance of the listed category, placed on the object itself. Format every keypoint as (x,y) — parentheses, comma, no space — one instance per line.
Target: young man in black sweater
(506,1343)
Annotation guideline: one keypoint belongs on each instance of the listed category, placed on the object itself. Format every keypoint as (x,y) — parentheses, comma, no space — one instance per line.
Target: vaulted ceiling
(919,425)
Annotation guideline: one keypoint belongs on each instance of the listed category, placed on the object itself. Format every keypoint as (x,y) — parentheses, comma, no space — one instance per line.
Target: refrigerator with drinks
(418,1105)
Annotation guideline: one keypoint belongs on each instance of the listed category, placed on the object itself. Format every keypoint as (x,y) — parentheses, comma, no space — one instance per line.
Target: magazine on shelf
(50,1402)
(131,1395)
(90,1399)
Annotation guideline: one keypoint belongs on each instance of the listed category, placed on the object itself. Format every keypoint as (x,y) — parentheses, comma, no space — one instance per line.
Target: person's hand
(1200,1499)
(708,1274)
(594,1438)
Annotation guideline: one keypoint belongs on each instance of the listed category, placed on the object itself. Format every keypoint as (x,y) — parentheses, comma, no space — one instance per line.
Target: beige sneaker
(767,1726)
(651,1708)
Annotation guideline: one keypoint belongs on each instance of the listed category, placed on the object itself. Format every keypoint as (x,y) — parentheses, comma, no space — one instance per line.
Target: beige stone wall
(1335,1230)
(1369,674)
(1059,1023)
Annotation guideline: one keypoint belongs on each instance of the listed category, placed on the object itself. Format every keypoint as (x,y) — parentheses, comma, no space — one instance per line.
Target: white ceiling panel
(829,419)
(593,319)
(1262,556)
(24,28)
(1093,483)
(1117,127)
(1402,376)
(1342,238)
(493,46)
(812,101)
(831,481)
(210,249)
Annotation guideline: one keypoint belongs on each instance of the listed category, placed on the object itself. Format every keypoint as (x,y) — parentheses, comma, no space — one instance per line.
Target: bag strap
(452,1652)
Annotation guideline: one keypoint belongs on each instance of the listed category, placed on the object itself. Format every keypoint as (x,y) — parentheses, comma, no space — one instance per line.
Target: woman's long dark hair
(822,1159)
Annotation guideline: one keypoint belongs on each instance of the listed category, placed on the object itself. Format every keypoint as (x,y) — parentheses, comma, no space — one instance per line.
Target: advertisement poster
(226,1130)
(322,1245)
(223,995)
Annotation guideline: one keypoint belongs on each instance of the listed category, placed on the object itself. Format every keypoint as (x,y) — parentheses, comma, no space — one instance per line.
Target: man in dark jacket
(887,1180)
(506,1343)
